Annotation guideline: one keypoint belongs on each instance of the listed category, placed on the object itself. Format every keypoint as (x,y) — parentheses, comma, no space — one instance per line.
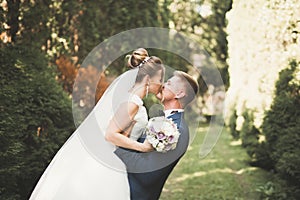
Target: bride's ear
(146,79)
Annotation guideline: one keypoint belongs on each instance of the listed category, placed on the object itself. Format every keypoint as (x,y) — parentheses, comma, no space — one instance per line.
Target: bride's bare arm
(128,130)
(123,122)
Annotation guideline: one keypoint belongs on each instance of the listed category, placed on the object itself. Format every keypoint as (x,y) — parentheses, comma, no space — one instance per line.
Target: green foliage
(232,126)
(249,134)
(76,27)
(271,190)
(223,174)
(209,76)
(282,127)
(255,61)
(254,57)
(36,119)
(50,25)
(215,39)
(277,188)
(208,29)
(102,19)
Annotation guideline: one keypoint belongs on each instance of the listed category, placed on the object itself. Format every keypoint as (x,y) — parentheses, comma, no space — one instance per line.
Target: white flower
(160,147)
(162,133)
(155,142)
(169,130)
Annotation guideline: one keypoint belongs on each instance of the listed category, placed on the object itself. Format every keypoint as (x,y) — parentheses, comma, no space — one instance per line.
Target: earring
(147,90)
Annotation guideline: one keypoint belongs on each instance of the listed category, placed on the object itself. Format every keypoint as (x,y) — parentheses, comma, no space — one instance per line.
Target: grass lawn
(222,174)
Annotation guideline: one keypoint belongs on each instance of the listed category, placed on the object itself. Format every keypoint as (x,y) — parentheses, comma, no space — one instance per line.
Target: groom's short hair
(190,85)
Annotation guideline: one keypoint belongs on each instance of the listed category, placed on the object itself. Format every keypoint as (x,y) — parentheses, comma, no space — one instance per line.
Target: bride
(85,167)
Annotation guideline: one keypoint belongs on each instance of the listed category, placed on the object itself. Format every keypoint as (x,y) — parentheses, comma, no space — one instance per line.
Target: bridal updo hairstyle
(148,65)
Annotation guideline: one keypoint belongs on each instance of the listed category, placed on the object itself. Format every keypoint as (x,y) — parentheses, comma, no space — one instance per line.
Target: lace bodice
(141,118)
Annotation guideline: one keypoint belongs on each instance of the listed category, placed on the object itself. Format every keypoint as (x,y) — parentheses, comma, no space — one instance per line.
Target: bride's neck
(139,90)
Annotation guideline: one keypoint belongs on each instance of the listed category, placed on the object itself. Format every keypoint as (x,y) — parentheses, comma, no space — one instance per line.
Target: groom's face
(172,88)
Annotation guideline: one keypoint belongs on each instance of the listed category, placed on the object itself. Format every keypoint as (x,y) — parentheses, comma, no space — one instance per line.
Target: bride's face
(156,83)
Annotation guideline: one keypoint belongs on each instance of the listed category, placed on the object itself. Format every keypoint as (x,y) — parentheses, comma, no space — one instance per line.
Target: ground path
(223,174)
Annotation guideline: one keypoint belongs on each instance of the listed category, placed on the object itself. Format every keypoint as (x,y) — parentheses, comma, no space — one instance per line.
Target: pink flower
(171,138)
(168,147)
(161,135)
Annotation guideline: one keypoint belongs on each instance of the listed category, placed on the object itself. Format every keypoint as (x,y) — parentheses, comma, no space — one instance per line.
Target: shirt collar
(171,112)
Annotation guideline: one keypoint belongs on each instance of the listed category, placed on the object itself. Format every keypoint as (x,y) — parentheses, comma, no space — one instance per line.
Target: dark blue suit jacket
(148,172)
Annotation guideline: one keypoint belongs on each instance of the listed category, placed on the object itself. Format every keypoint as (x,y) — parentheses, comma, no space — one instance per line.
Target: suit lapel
(176,118)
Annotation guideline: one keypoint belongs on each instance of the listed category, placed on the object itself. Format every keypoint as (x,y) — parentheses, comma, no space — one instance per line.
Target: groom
(148,172)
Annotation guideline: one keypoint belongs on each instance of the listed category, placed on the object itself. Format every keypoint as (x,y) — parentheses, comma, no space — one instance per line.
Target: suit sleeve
(137,162)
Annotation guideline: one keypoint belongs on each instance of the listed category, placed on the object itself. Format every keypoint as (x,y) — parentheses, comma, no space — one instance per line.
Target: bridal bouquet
(162,133)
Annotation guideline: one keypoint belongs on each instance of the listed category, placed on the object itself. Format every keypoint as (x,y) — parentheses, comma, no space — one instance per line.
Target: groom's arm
(143,162)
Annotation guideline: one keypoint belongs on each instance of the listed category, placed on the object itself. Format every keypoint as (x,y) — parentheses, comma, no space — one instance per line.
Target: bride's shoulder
(136,100)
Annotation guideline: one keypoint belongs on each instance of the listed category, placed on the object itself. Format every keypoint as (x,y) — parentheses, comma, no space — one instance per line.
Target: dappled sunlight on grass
(223,174)
(224,170)
(209,161)
(184,177)
(228,170)
(236,143)
(202,129)
(248,169)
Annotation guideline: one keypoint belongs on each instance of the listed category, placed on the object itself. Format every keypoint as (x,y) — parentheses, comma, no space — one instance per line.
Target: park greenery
(254,44)
(263,97)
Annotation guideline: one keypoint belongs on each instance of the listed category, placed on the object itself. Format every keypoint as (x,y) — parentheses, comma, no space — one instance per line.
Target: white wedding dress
(86,167)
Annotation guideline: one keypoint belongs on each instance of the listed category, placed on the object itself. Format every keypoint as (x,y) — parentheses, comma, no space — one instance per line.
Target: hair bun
(137,57)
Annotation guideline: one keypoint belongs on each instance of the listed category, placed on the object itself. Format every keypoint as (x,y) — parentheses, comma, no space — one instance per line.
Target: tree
(205,22)
(281,127)
(35,114)
(32,130)
(258,49)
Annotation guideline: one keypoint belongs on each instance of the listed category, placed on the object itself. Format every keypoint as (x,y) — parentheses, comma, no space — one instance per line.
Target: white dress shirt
(170,112)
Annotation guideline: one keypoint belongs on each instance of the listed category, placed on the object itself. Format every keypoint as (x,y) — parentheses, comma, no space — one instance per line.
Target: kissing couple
(111,154)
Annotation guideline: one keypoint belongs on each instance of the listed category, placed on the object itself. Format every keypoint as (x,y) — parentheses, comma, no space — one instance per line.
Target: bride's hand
(146,146)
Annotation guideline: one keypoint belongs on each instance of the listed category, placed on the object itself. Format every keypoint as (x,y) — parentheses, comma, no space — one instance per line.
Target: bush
(278,189)
(271,190)
(36,119)
(249,134)
(281,127)
(232,126)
